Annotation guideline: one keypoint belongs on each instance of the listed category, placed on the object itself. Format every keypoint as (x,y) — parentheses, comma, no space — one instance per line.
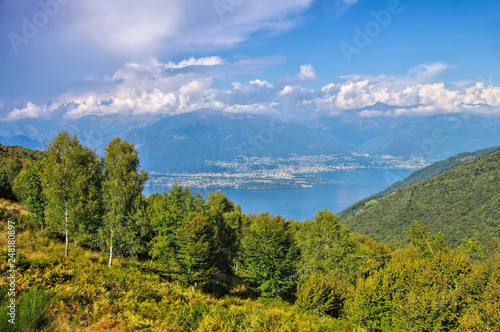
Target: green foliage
(28,187)
(82,293)
(328,247)
(416,177)
(325,246)
(472,249)
(483,289)
(122,197)
(196,250)
(461,202)
(12,159)
(71,184)
(169,212)
(412,294)
(9,168)
(19,152)
(228,221)
(31,312)
(270,256)
(425,242)
(323,295)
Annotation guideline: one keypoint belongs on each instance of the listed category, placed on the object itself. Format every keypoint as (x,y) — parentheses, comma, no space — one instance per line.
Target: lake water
(343,189)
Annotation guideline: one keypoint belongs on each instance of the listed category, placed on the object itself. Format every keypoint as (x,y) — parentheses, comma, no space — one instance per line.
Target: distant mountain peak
(206,112)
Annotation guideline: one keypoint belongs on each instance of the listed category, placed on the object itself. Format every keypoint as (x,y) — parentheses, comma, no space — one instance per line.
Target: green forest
(93,254)
(416,177)
(462,202)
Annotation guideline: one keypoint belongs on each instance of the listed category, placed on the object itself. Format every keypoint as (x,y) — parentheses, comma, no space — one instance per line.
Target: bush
(322,295)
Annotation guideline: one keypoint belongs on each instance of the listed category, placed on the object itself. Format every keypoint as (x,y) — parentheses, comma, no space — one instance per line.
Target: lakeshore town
(274,173)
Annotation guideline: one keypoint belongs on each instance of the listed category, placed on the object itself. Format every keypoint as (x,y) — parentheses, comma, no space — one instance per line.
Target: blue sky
(66,58)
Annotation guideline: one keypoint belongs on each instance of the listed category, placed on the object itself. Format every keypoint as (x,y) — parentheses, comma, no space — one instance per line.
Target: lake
(343,189)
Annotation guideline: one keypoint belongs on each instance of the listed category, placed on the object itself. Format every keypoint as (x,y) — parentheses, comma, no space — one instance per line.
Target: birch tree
(122,196)
(71,181)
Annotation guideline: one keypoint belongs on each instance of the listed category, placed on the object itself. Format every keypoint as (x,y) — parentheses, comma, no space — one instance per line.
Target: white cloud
(129,27)
(158,88)
(261,83)
(30,111)
(307,74)
(286,90)
(423,99)
(428,71)
(252,108)
(207,61)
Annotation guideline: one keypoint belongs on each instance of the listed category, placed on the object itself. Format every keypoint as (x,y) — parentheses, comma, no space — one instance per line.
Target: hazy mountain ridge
(191,141)
(186,141)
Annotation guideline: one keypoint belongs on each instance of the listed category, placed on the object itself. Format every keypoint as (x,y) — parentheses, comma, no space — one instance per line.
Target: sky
(64,59)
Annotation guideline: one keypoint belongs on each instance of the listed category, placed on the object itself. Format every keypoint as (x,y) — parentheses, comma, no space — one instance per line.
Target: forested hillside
(417,176)
(461,202)
(438,168)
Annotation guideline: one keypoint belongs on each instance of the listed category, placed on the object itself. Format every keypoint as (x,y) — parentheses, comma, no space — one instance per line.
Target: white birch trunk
(110,249)
(67,234)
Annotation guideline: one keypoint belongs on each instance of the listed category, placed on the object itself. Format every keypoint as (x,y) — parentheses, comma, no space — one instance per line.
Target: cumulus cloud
(261,83)
(154,87)
(165,88)
(30,111)
(419,99)
(307,74)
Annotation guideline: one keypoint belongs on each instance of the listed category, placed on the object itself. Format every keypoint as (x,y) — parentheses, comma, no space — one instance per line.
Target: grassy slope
(461,202)
(83,294)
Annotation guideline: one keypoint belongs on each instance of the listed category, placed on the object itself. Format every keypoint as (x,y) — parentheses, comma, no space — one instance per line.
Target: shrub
(322,295)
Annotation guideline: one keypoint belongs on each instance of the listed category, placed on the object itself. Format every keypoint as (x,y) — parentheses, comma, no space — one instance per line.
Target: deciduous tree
(71,184)
(196,251)
(270,256)
(122,197)
(28,187)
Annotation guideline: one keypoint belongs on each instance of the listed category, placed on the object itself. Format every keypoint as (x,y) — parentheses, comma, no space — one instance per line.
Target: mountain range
(189,142)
